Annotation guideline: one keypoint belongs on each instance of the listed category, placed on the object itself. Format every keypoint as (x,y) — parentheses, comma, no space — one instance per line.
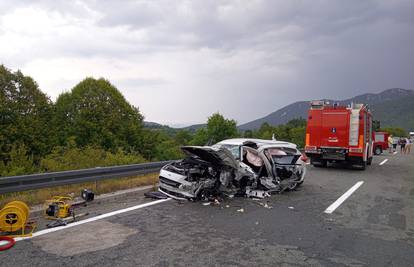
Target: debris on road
(256,193)
(265,205)
(155,195)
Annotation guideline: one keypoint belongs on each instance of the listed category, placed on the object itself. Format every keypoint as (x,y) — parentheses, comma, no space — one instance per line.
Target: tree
(200,138)
(219,128)
(395,131)
(183,137)
(25,115)
(94,112)
(248,134)
(19,162)
(293,131)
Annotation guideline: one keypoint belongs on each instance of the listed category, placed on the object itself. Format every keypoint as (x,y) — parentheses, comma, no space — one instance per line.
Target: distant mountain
(153,125)
(172,130)
(393,107)
(195,127)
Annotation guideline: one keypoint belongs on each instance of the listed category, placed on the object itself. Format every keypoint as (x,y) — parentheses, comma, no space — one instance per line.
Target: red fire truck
(380,142)
(339,133)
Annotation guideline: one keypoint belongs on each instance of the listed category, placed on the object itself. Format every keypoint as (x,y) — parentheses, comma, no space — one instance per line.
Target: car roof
(241,141)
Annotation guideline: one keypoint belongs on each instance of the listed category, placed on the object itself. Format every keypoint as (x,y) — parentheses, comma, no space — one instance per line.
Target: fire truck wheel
(360,165)
(378,150)
(320,164)
(369,161)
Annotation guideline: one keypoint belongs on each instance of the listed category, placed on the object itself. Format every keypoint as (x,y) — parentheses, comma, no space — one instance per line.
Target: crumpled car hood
(213,155)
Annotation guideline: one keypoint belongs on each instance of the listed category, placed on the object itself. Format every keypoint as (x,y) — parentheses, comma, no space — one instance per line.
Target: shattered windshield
(234,149)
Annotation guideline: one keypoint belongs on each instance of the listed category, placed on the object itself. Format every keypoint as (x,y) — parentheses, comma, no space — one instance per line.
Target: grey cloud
(243,51)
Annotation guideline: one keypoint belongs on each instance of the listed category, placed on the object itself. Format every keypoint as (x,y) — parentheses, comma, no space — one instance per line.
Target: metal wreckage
(234,167)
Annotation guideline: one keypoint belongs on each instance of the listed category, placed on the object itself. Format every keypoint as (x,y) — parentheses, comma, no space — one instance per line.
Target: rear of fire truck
(337,133)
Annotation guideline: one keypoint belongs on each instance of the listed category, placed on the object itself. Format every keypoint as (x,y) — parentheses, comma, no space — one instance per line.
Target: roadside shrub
(72,158)
(19,162)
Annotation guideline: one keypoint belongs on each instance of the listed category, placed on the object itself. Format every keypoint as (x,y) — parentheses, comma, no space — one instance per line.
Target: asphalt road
(373,227)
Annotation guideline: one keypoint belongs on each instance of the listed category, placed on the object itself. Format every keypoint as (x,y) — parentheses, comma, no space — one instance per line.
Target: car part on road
(14,220)
(155,195)
(6,242)
(234,167)
(256,193)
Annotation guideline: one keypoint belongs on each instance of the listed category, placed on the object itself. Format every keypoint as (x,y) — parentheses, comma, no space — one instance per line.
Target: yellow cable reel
(14,217)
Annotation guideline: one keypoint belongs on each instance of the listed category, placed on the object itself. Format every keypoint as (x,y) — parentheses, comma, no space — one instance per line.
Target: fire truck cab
(339,133)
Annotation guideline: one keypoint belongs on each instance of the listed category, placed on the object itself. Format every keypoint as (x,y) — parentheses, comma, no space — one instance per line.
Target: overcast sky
(180,61)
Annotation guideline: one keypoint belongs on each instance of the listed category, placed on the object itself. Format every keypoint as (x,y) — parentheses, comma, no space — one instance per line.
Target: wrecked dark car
(234,167)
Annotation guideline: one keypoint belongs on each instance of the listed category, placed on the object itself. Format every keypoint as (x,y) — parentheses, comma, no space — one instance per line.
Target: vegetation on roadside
(395,131)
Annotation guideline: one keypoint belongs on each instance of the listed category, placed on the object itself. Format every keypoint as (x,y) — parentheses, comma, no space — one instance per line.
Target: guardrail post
(96,186)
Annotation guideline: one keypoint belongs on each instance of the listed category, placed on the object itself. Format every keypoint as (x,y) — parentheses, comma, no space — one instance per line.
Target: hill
(393,107)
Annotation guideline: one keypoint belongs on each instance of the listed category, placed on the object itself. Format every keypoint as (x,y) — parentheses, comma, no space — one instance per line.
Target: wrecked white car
(241,167)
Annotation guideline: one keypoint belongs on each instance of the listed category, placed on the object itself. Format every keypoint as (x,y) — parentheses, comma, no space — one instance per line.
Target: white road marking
(99,217)
(395,152)
(383,162)
(340,200)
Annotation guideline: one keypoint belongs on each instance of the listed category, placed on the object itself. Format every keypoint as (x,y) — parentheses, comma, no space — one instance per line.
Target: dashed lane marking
(341,200)
(383,162)
(395,153)
(99,217)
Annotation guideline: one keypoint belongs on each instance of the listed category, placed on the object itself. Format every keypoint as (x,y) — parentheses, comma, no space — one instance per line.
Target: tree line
(94,125)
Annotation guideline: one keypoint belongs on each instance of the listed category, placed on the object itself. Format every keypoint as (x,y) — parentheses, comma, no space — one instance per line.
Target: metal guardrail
(42,180)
